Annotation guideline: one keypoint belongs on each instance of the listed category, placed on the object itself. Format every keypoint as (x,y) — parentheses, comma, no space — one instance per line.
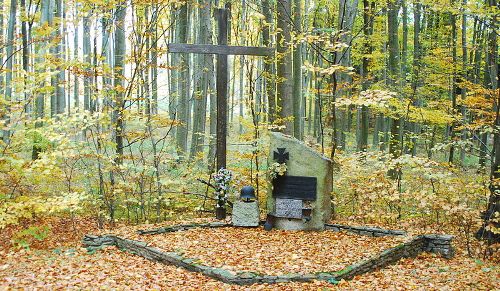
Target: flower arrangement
(222,180)
(277,169)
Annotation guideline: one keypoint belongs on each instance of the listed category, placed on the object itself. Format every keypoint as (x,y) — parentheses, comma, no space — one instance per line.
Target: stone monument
(300,197)
(246,211)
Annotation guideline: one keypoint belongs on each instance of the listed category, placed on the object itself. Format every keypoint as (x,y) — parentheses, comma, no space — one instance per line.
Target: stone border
(365,230)
(434,243)
(175,228)
(439,244)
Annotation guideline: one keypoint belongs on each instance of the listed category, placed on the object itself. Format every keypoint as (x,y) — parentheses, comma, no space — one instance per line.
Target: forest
(124,115)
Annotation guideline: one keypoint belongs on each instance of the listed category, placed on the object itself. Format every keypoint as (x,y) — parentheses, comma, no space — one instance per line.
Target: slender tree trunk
(394,77)
(174,74)
(404,50)
(183,84)
(2,40)
(119,84)
(9,66)
(40,98)
(416,67)
(106,55)
(76,86)
(310,98)
(284,67)
(484,137)
(146,71)
(60,92)
(25,58)
(464,78)
(376,132)
(87,58)
(206,70)
(493,207)
(297,72)
(242,63)
(269,69)
(347,15)
(454,83)
(368,11)
(154,60)
(213,124)
(53,52)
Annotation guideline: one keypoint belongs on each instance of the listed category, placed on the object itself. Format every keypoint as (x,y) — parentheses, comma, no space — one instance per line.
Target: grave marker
(300,199)
(222,50)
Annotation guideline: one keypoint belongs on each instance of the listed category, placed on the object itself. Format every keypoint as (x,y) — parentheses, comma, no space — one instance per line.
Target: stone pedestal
(305,162)
(245,213)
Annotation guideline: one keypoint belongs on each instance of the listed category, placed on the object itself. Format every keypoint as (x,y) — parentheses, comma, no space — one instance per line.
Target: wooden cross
(222,50)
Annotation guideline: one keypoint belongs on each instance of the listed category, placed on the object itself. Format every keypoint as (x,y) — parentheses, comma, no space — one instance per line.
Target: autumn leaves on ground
(60,261)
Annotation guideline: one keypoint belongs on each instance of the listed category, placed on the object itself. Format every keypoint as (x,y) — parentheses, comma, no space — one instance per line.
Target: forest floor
(59,261)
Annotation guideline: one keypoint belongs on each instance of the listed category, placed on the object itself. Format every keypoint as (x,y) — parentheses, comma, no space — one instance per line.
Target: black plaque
(295,187)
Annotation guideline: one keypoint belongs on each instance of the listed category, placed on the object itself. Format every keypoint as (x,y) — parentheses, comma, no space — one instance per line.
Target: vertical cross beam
(222,76)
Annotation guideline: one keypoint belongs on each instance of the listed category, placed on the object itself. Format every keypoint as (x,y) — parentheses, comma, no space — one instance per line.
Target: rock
(306,162)
(223,274)
(269,279)
(245,213)
(217,224)
(247,275)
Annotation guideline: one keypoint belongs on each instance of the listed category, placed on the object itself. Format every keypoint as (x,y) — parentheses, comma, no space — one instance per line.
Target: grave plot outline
(434,243)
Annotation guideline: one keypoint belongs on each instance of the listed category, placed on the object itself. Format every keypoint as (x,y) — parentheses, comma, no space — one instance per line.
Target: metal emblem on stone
(289,208)
(281,155)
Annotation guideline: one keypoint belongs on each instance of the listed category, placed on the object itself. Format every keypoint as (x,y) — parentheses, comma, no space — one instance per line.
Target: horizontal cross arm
(220,49)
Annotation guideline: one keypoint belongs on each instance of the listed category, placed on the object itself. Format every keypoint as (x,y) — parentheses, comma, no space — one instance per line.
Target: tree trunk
(2,40)
(154,60)
(9,66)
(119,75)
(490,216)
(60,92)
(454,83)
(284,68)
(415,82)
(183,84)
(297,72)
(368,11)
(269,69)
(404,48)
(40,98)
(76,85)
(174,73)
(25,58)
(394,74)
(213,124)
(206,70)
(119,85)
(242,64)
(347,15)
(106,54)
(87,58)
(464,78)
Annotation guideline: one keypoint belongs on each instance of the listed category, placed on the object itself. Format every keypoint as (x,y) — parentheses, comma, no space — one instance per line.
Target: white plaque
(289,208)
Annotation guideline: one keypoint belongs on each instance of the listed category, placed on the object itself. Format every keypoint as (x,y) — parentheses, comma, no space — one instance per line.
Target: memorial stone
(301,198)
(245,213)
